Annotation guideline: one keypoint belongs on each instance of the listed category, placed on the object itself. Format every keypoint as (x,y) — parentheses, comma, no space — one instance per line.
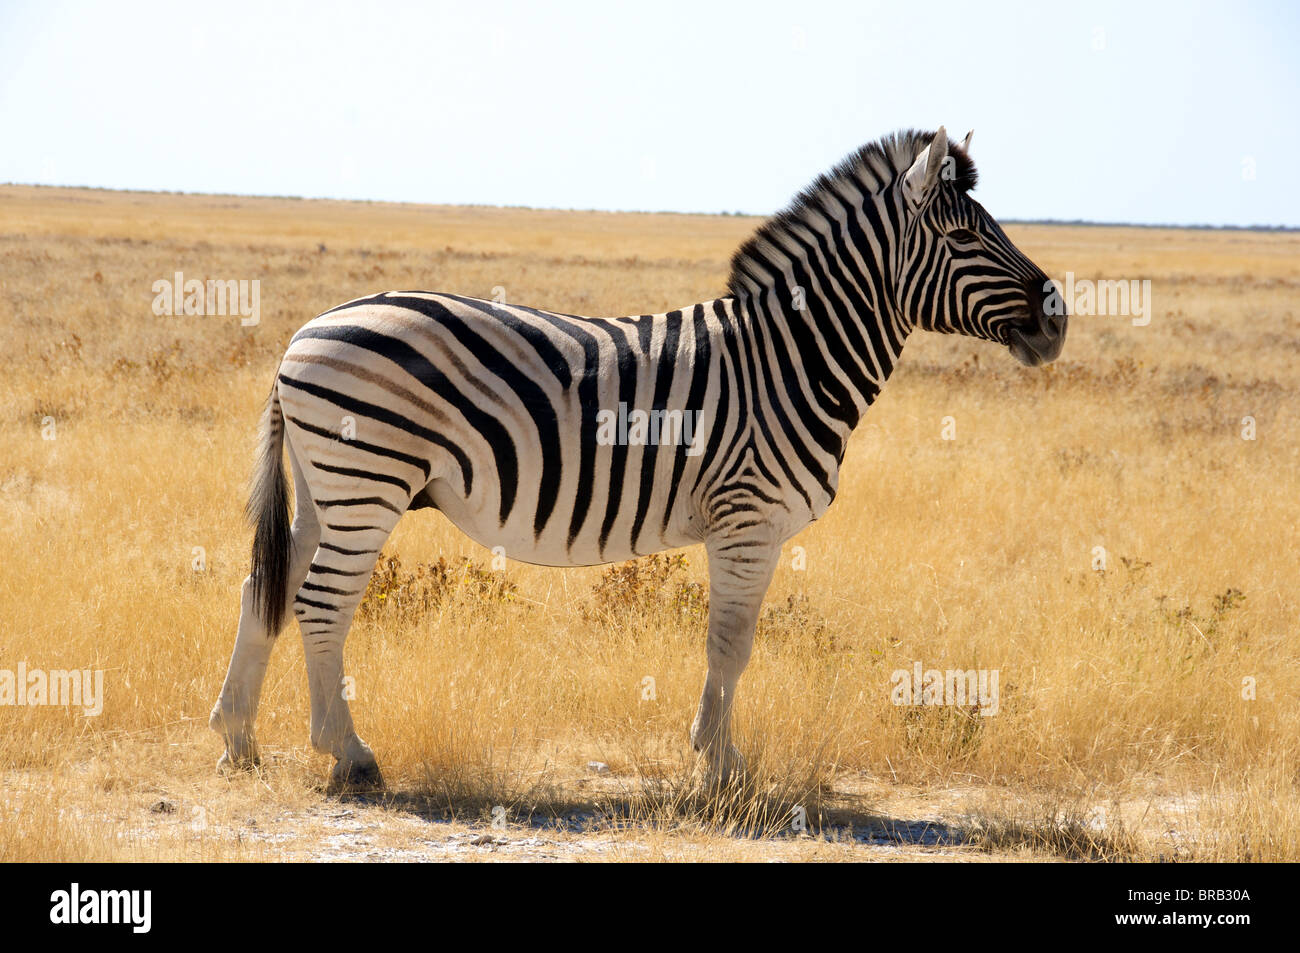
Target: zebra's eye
(963,236)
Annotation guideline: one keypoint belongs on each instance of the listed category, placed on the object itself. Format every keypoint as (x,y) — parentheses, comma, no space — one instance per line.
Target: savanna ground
(1148,710)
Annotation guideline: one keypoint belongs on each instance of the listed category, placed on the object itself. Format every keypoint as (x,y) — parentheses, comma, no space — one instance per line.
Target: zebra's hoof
(356,777)
(228,765)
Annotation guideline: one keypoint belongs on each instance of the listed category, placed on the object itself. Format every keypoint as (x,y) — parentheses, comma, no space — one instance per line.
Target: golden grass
(1123,732)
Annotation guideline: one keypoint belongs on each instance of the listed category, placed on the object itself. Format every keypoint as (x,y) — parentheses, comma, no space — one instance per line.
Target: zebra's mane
(868,170)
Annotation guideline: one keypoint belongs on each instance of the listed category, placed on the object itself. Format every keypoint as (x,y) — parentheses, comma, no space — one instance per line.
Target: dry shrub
(649,585)
(412,593)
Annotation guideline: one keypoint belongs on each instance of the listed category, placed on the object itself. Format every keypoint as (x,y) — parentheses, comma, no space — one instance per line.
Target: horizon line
(1064,222)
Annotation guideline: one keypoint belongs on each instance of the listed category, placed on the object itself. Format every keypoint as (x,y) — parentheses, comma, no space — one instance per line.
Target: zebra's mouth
(1037,347)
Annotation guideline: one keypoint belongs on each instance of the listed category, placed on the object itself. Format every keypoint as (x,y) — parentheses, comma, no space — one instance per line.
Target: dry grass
(1123,732)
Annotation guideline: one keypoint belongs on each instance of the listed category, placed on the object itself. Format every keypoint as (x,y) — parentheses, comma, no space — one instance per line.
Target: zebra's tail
(268,511)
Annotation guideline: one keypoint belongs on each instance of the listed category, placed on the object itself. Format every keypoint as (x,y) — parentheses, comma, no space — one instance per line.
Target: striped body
(489,413)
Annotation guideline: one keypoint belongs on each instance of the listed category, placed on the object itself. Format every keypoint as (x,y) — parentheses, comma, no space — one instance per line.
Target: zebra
(489,411)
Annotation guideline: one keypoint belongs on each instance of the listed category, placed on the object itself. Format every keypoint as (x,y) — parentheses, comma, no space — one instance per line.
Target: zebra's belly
(516,540)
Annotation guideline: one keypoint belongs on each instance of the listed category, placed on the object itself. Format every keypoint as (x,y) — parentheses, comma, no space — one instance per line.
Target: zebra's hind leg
(353,533)
(234,714)
(740,570)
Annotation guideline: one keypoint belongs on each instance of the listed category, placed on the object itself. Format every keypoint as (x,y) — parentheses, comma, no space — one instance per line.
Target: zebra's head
(959,272)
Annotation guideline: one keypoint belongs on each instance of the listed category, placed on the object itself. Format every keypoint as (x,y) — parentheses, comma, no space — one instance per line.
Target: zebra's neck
(820,300)
(822,277)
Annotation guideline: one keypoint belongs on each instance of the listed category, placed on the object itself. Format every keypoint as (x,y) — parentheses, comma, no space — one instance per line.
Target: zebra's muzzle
(1039,347)
(1040,339)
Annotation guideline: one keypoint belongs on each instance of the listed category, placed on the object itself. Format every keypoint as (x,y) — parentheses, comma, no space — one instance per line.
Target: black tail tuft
(268,511)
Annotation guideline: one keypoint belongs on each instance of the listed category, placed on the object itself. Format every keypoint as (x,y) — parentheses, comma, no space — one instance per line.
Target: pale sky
(1163,112)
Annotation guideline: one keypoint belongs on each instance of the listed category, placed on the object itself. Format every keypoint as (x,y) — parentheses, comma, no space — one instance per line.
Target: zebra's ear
(965,143)
(921,178)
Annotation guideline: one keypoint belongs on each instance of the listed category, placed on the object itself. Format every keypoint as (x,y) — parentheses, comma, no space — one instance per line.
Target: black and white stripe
(489,412)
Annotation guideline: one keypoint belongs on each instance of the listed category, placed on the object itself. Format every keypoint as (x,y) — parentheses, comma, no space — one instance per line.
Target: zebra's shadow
(607,813)
(851,820)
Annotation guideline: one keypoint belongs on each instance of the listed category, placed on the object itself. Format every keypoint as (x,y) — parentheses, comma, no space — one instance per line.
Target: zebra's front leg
(740,571)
